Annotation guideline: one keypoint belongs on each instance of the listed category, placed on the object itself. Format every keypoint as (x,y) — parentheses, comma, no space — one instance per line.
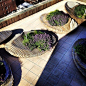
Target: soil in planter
(80,11)
(2,72)
(38,40)
(80,49)
(57,18)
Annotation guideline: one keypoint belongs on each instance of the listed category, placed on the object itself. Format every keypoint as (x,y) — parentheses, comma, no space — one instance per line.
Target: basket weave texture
(4,35)
(16,48)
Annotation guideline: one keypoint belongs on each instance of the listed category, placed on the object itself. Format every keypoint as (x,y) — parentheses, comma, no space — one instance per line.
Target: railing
(7,20)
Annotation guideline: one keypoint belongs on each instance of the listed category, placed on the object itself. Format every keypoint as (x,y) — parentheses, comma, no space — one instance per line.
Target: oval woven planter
(8,79)
(70,6)
(57,29)
(79,63)
(4,35)
(15,47)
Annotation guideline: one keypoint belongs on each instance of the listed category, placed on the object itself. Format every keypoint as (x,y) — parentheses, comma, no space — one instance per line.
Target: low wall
(7,20)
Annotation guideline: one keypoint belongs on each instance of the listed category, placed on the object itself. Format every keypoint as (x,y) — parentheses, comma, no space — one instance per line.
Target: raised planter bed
(18,49)
(81,65)
(6,77)
(62,27)
(71,8)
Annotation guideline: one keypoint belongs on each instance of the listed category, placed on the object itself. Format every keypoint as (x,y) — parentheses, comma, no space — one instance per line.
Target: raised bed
(6,77)
(70,7)
(66,28)
(77,60)
(16,48)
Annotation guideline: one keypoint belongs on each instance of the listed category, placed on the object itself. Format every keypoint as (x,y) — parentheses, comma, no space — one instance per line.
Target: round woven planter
(4,35)
(79,63)
(16,48)
(70,6)
(69,26)
(8,75)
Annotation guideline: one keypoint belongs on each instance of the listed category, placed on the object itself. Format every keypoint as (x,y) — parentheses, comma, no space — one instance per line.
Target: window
(7,12)
(3,9)
(6,7)
(1,4)
(5,3)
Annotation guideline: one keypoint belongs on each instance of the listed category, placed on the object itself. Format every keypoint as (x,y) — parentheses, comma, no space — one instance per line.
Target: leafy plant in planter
(58,22)
(32,43)
(37,39)
(76,10)
(57,18)
(2,72)
(6,77)
(80,11)
(80,49)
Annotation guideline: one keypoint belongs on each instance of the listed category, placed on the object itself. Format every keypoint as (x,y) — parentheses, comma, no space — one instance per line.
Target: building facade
(6,7)
(18,2)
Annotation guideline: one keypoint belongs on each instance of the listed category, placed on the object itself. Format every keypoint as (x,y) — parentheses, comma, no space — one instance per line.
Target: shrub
(57,18)
(80,49)
(80,11)
(37,39)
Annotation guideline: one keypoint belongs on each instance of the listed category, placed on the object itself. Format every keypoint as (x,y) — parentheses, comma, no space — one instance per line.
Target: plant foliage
(57,18)
(80,49)
(37,39)
(80,11)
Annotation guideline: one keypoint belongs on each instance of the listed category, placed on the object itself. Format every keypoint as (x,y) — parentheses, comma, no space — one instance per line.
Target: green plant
(80,49)
(80,11)
(37,39)
(57,18)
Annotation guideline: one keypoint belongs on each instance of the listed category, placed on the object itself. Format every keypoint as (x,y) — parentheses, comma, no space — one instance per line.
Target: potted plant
(77,11)
(6,77)
(57,21)
(79,55)
(32,43)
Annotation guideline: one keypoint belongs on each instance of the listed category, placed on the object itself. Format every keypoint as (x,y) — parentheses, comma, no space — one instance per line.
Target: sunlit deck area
(54,68)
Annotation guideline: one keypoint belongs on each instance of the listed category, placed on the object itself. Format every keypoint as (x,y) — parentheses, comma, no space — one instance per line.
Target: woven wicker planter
(70,6)
(69,26)
(15,47)
(8,79)
(79,63)
(4,35)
